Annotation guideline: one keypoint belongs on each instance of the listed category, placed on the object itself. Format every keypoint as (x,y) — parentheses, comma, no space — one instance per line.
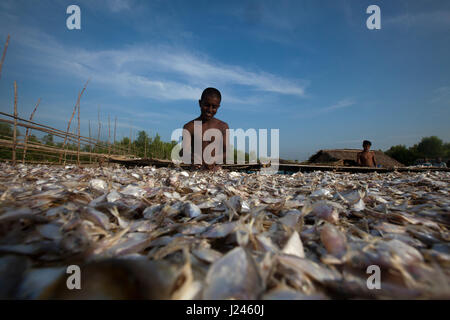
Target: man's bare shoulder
(190,124)
(220,123)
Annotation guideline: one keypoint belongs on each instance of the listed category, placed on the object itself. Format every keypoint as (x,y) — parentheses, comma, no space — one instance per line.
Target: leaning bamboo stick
(73,113)
(145,146)
(33,146)
(115,125)
(36,126)
(109,136)
(90,145)
(68,128)
(78,153)
(41,127)
(55,149)
(29,131)
(129,143)
(99,127)
(4,55)
(15,125)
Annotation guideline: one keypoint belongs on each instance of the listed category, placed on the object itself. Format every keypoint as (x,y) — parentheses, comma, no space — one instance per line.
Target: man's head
(366,145)
(209,103)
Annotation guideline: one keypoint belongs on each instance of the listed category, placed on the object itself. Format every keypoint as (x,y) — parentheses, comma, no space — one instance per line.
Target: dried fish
(164,233)
(97,217)
(98,185)
(207,255)
(113,196)
(134,191)
(325,211)
(220,230)
(234,276)
(191,210)
(333,240)
(294,246)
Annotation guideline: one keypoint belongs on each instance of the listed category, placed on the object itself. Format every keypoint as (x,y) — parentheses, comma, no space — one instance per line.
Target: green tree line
(428,148)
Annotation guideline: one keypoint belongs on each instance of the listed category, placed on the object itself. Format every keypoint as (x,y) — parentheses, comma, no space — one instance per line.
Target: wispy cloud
(158,72)
(314,112)
(341,104)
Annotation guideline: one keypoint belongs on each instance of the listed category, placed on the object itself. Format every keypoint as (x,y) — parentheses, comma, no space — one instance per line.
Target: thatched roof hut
(347,157)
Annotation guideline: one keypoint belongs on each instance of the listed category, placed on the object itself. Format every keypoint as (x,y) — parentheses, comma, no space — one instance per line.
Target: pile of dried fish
(147,233)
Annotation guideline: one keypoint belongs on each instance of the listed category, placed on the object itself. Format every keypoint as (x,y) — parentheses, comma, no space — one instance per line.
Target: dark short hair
(211,92)
(367,142)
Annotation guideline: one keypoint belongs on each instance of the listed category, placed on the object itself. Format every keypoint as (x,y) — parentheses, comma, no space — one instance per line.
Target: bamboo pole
(33,146)
(145,146)
(73,114)
(134,142)
(68,128)
(129,143)
(15,125)
(59,149)
(109,136)
(99,127)
(115,125)
(90,144)
(79,133)
(47,129)
(29,131)
(4,55)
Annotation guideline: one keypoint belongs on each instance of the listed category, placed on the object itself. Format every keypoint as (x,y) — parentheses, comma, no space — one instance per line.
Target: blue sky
(309,68)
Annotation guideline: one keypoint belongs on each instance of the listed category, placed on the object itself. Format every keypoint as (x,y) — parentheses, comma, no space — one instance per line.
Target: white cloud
(158,72)
(313,112)
(341,104)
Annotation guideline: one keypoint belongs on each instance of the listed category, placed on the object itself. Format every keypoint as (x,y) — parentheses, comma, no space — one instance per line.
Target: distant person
(366,158)
(209,104)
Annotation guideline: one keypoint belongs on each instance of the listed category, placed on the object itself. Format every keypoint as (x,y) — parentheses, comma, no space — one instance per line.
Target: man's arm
(374,161)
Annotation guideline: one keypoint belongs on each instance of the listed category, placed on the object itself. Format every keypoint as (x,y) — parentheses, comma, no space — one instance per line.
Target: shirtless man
(209,104)
(366,158)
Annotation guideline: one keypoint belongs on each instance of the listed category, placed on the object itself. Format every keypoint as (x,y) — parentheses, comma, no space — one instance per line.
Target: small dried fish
(98,185)
(97,217)
(333,240)
(191,210)
(234,276)
(164,233)
(294,246)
